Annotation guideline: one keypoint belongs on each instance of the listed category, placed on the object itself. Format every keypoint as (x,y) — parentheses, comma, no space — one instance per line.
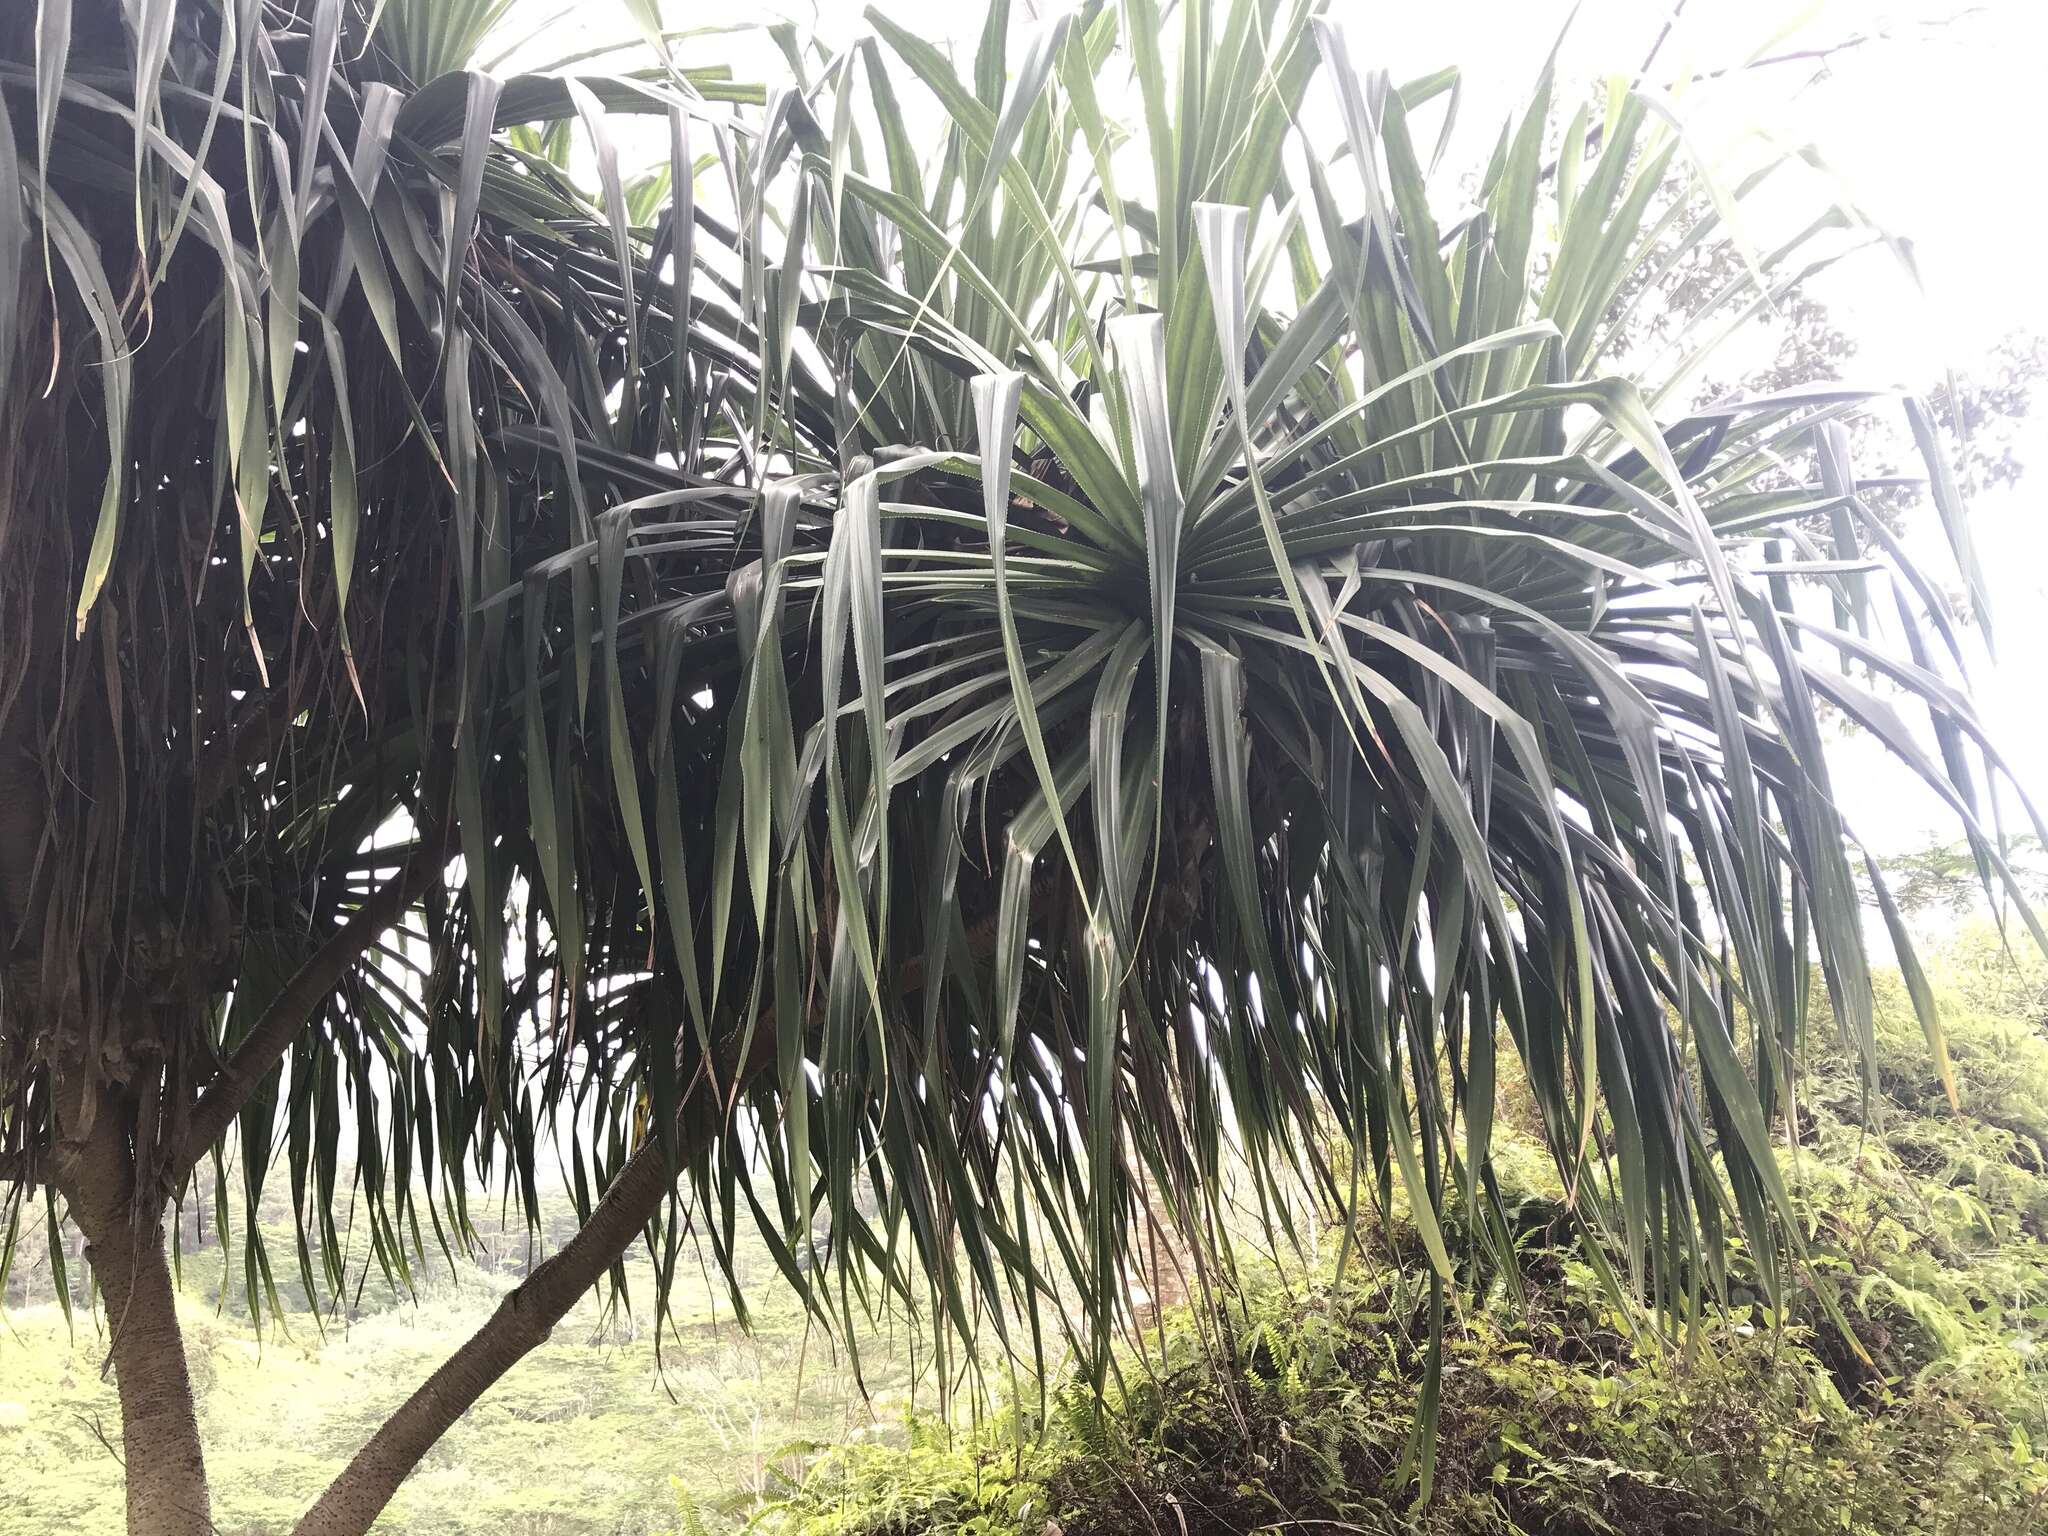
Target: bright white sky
(1928,122)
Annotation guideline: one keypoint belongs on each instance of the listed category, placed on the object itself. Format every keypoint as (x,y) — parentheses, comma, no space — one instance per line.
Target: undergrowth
(1293,1406)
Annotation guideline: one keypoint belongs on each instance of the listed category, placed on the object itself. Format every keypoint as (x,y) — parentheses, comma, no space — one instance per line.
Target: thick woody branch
(296,1002)
(525,1317)
(521,1323)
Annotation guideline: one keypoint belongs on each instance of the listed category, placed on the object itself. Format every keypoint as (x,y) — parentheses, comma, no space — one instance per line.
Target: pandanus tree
(943,661)
(291,303)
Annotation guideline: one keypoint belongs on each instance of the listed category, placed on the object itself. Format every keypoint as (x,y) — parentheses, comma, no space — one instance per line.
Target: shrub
(1295,1402)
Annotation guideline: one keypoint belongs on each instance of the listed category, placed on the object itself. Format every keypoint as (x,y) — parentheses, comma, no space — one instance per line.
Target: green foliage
(1010,678)
(1931,1224)
(1550,1421)
(1296,1402)
(579,1442)
(1944,878)
(1553,1415)
(582,1439)
(972,689)
(297,291)
(932,1483)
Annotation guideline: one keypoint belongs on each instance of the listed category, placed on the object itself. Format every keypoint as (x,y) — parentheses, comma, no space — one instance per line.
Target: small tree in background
(960,684)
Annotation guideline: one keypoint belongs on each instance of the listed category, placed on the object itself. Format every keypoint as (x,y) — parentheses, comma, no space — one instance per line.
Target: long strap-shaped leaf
(995,414)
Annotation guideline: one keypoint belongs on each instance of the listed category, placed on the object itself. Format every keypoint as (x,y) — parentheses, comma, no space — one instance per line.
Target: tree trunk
(522,1322)
(124,1242)
(167,1493)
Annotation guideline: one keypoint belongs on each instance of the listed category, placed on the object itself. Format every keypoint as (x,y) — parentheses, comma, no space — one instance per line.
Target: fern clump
(1920,1405)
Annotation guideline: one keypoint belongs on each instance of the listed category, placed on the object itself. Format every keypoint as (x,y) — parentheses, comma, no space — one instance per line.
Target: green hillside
(1294,1409)
(1290,1407)
(581,1440)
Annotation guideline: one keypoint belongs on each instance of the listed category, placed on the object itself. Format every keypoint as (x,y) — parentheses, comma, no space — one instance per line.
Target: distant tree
(1997,396)
(936,692)
(1945,877)
(1692,283)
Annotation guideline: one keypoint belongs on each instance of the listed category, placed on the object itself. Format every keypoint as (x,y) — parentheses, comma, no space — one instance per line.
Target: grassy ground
(581,1439)
(1294,1407)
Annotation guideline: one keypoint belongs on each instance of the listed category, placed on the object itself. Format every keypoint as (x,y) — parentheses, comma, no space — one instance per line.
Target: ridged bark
(165,1467)
(521,1323)
(167,1488)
